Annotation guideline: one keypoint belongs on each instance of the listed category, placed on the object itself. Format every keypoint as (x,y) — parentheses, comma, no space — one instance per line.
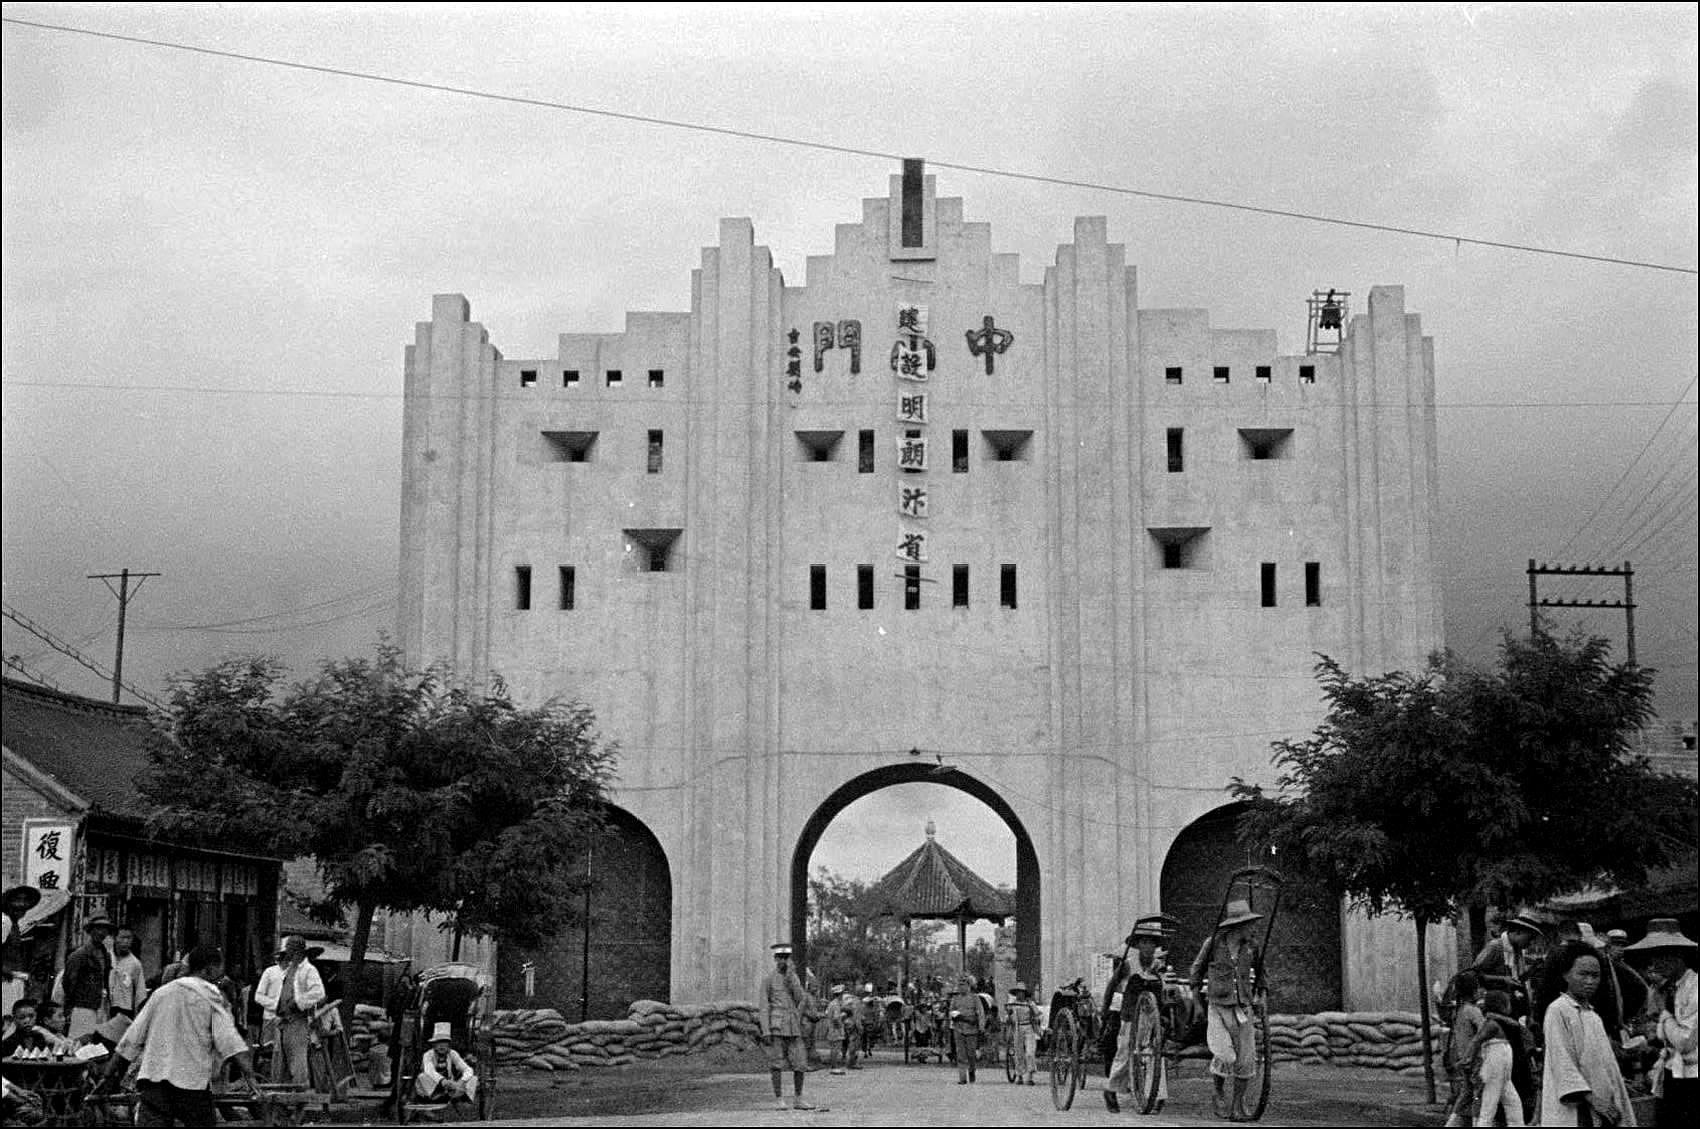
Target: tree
(1423,792)
(409,791)
(851,941)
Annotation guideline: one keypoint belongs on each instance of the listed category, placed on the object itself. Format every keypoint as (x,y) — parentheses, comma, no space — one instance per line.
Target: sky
(211,266)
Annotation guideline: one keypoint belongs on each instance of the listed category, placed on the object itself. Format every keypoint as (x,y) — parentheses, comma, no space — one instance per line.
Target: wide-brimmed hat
(1526,923)
(29,893)
(1617,935)
(442,1033)
(1664,935)
(1237,912)
(1149,930)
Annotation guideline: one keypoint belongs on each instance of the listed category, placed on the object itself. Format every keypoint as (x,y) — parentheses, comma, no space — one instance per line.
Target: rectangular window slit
(655,439)
(1177,449)
(1006,585)
(569,587)
(959,586)
(911,587)
(657,378)
(1313,584)
(865,452)
(959,452)
(864,586)
(522,588)
(817,588)
(1268,571)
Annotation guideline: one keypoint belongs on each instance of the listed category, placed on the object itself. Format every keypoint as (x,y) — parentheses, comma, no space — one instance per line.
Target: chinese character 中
(988,342)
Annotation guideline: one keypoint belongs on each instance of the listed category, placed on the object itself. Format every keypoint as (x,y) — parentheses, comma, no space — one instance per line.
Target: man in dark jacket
(88,973)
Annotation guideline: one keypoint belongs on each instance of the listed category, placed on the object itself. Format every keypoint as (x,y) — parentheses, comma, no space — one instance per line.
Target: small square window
(614,378)
(911,588)
(817,588)
(1264,374)
(865,452)
(657,377)
(959,586)
(527,377)
(569,378)
(1006,585)
(1172,374)
(864,586)
(1222,374)
(1307,374)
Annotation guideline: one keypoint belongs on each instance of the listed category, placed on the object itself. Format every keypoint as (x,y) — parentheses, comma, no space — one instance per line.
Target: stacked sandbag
(541,1039)
(1389,1040)
(368,1027)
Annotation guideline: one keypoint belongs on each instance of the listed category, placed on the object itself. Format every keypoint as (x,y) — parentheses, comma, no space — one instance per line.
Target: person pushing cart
(1228,963)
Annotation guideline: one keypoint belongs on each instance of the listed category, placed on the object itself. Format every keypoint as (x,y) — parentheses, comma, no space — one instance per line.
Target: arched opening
(1026,858)
(1304,956)
(627,947)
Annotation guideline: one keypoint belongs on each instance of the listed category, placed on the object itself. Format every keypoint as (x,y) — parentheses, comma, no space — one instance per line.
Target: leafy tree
(409,791)
(852,942)
(1420,793)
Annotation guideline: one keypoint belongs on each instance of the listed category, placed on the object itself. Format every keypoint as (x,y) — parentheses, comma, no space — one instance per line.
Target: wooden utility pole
(1627,603)
(124,593)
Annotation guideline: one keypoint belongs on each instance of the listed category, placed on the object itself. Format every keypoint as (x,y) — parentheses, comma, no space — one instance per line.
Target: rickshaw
(1164,1015)
(452,994)
(1073,1030)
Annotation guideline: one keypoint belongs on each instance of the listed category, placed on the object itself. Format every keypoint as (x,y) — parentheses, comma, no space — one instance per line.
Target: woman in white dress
(1580,1083)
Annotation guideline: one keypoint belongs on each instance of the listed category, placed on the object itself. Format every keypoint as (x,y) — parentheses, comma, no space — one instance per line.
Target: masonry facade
(1137,531)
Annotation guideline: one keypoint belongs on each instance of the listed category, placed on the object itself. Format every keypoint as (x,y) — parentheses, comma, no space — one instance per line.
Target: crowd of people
(1561,1024)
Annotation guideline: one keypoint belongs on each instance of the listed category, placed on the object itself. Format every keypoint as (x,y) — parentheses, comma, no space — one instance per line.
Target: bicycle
(1073,1028)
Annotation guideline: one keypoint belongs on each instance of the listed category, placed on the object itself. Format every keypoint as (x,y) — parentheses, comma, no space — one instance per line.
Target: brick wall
(630,935)
(1304,949)
(19,800)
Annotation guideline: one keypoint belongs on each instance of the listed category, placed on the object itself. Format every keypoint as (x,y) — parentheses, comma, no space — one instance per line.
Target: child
(1500,1044)
(1461,1044)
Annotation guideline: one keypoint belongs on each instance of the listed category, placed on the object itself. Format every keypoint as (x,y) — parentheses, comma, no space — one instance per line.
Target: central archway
(1026,858)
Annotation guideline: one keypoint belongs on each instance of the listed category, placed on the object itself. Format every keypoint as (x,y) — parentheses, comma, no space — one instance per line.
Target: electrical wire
(750,135)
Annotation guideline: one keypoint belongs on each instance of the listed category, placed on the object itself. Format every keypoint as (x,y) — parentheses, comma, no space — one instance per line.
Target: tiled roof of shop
(94,749)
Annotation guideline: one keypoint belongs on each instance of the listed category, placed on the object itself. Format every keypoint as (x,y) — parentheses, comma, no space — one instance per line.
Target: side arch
(1305,953)
(629,943)
(1027,892)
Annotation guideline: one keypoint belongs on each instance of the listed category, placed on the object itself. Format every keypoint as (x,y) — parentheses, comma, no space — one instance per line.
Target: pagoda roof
(933,883)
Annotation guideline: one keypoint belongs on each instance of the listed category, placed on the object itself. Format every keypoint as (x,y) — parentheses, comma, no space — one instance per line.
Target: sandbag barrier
(1390,1040)
(541,1039)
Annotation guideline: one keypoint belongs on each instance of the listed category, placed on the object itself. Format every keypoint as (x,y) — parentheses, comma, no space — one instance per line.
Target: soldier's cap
(781,948)
(1616,935)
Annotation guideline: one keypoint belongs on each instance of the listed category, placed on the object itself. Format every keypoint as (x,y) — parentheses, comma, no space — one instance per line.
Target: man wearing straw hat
(1226,961)
(779,1015)
(1502,965)
(88,976)
(1670,957)
(443,1075)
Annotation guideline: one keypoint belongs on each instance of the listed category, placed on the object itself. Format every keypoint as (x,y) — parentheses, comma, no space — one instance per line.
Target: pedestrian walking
(128,988)
(180,1042)
(1226,961)
(1670,959)
(779,1015)
(88,977)
(1023,1017)
(298,990)
(1503,963)
(1580,1082)
(1142,969)
(967,1024)
(1463,1040)
(1503,1057)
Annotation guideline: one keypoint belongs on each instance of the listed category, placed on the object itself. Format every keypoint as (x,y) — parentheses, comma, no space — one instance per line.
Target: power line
(18,665)
(346,597)
(49,638)
(751,135)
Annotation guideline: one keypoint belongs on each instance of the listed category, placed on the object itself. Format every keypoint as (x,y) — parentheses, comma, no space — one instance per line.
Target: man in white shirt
(128,986)
(1676,1081)
(180,1041)
(291,995)
(445,1076)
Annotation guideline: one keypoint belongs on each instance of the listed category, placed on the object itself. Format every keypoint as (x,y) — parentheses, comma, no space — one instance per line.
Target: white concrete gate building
(1138,531)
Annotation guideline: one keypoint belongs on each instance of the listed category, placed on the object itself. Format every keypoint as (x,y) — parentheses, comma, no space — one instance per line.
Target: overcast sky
(212,266)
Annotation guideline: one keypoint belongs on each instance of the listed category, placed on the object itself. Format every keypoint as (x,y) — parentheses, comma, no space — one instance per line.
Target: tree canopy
(410,792)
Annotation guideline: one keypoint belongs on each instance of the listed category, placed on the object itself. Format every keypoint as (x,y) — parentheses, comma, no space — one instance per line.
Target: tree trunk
(1478,928)
(1422,995)
(354,975)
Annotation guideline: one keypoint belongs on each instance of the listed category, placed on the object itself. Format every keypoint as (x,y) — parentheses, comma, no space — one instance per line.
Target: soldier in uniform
(780,1001)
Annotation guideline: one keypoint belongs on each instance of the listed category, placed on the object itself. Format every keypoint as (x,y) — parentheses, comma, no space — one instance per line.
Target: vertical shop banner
(50,851)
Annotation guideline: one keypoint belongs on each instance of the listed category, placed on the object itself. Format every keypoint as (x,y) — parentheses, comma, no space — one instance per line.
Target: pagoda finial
(932,830)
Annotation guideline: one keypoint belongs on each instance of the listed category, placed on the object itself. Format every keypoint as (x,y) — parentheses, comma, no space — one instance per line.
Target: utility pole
(124,594)
(1627,603)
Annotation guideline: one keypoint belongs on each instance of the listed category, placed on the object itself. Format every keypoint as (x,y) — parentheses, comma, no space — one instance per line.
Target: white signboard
(50,849)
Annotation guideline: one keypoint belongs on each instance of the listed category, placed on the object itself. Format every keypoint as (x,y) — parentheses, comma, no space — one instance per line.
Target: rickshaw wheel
(1265,1059)
(1145,1054)
(1065,1060)
(1009,1037)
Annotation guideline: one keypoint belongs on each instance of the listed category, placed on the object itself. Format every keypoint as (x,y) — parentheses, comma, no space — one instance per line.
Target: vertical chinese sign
(49,853)
(912,359)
